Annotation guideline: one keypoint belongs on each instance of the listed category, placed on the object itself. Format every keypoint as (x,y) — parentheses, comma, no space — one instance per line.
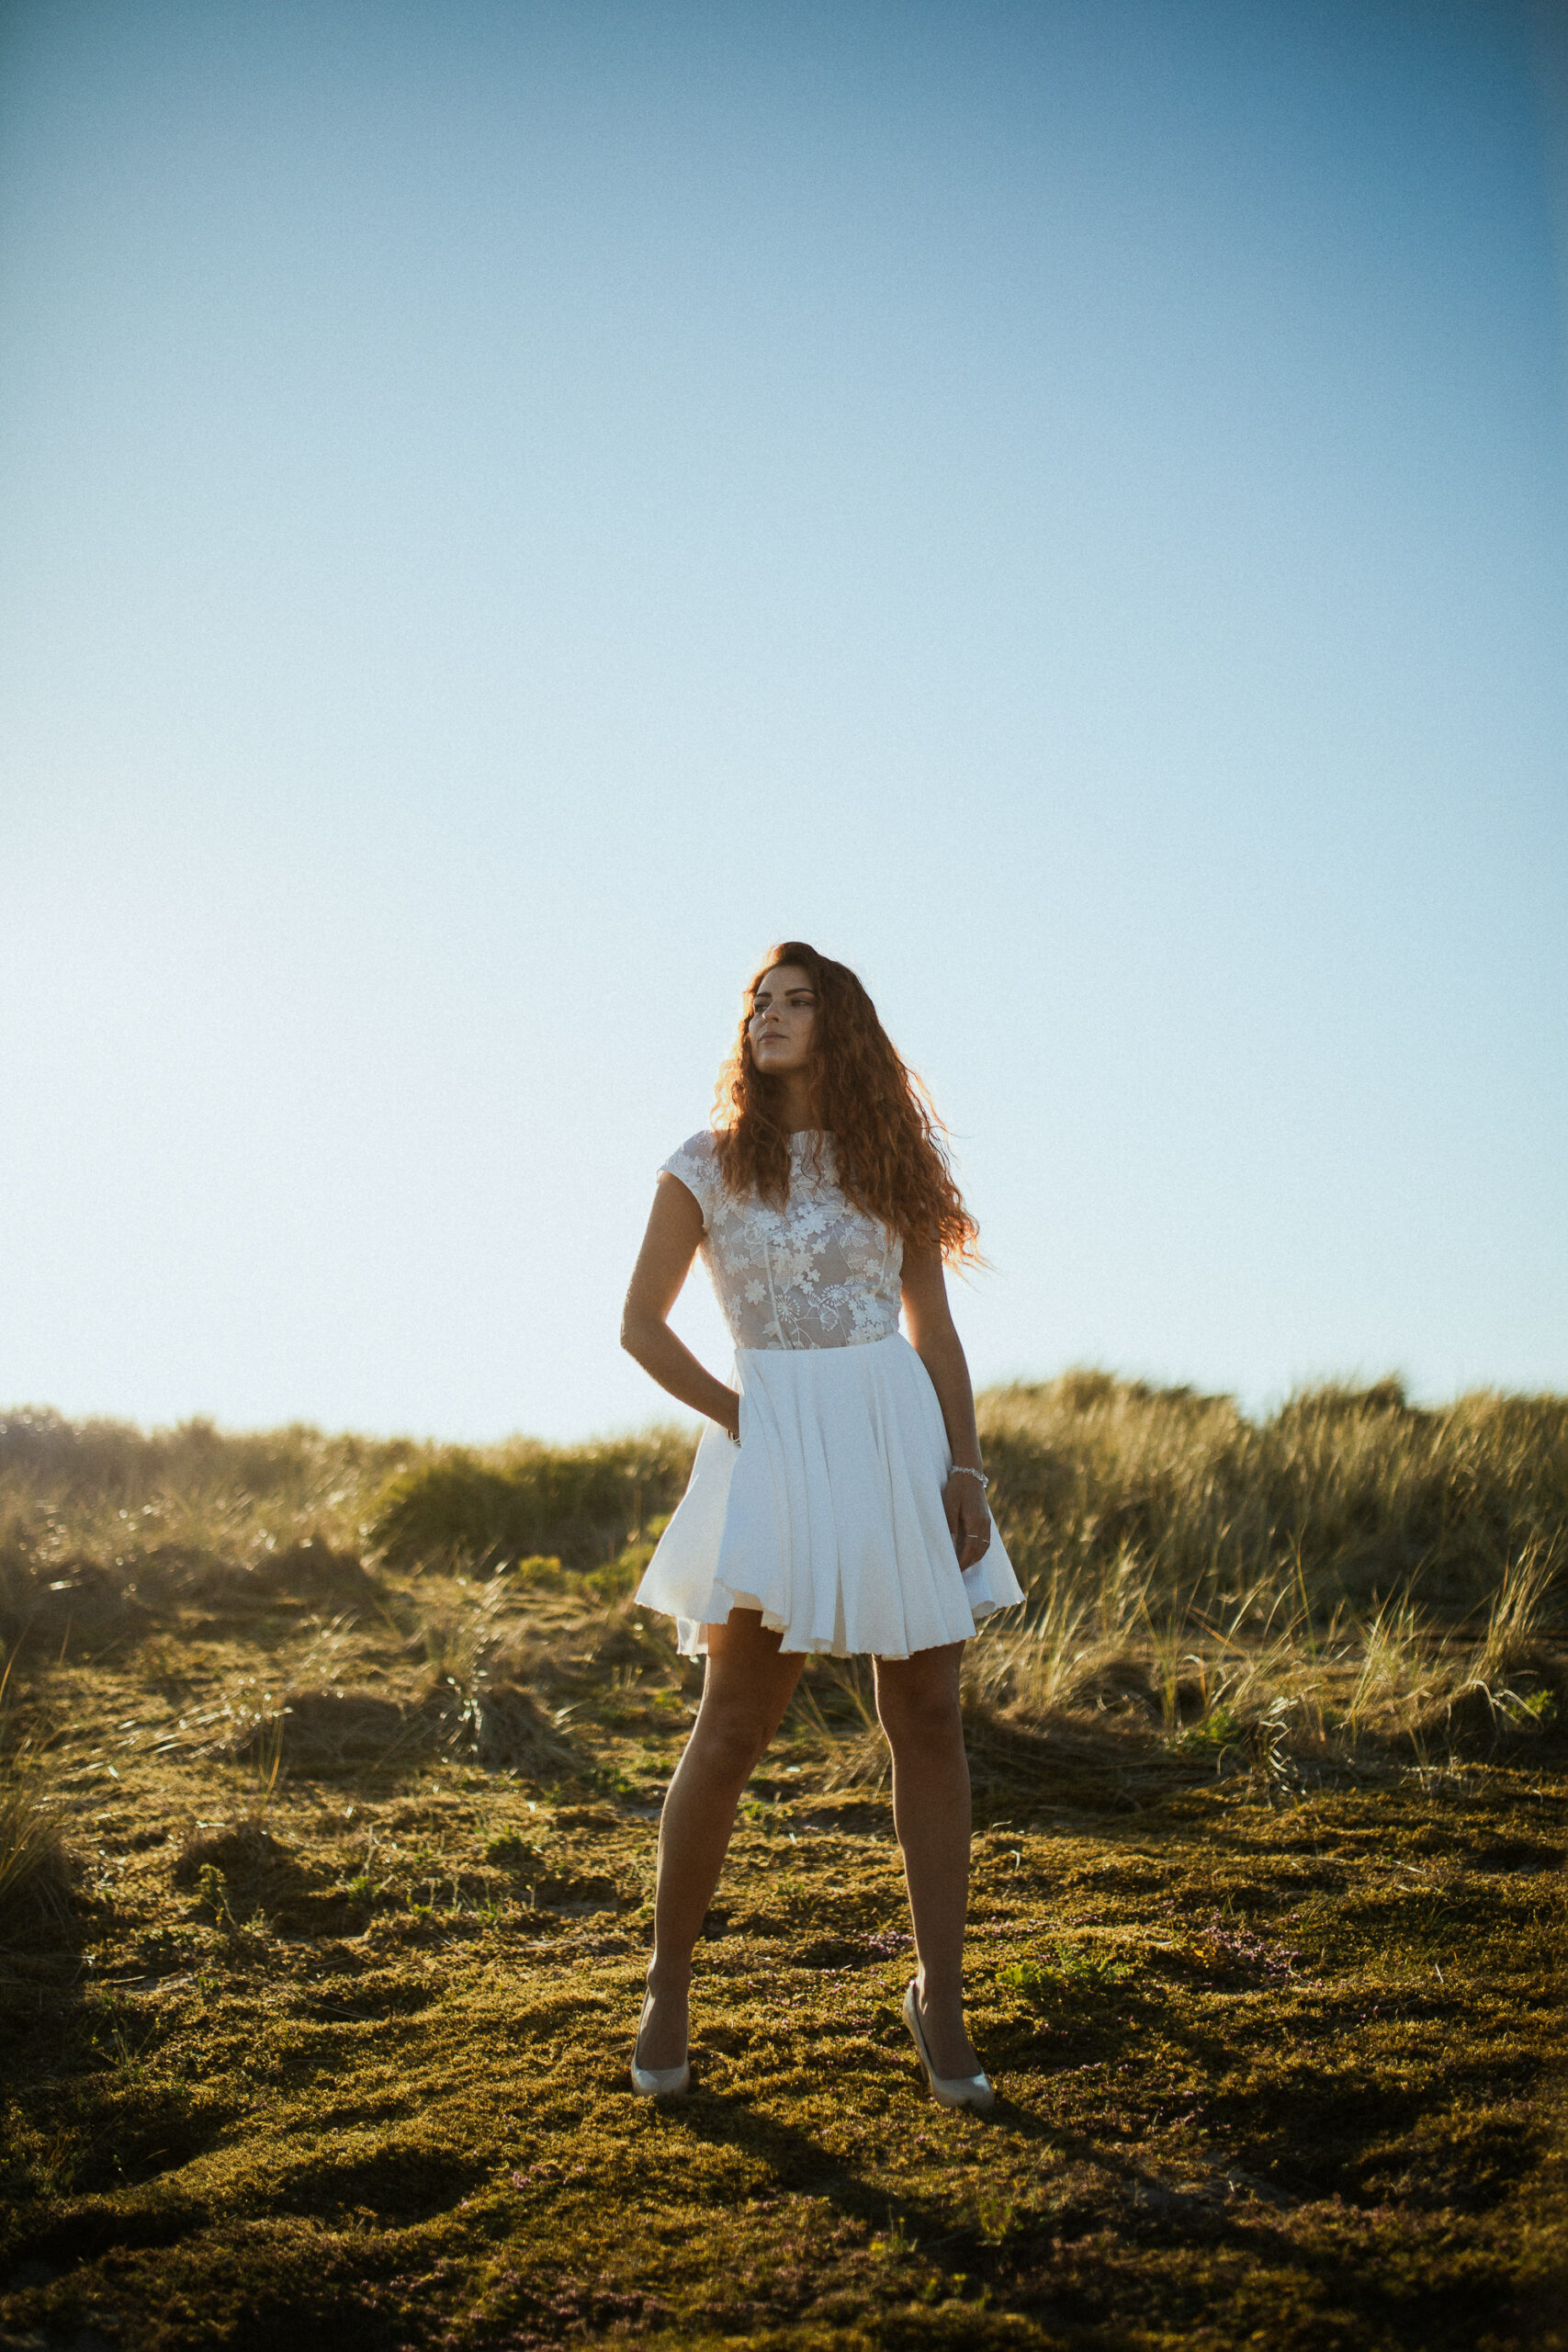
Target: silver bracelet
(962,1470)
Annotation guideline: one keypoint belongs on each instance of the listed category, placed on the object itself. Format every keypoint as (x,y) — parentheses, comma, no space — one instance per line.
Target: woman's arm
(674,1229)
(930,1322)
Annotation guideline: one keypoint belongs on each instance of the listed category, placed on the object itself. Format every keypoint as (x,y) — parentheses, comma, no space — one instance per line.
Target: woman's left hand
(964,1500)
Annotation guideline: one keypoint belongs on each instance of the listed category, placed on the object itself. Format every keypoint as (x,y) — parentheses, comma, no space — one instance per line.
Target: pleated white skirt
(827,1515)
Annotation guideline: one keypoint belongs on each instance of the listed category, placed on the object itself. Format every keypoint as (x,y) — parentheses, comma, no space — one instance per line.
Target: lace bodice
(816,1273)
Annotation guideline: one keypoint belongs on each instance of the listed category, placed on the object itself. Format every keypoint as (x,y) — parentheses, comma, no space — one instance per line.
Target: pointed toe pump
(950,2090)
(657,2082)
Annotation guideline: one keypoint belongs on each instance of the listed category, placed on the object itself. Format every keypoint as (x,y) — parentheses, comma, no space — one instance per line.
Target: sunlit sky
(507,509)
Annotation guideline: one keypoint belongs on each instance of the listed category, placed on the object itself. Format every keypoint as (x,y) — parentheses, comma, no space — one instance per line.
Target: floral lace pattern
(816,1273)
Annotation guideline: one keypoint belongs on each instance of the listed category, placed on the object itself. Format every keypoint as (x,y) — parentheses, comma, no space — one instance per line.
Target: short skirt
(827,1515)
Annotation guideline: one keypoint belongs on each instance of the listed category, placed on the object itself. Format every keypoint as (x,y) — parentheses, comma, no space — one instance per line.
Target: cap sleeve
(696,1165)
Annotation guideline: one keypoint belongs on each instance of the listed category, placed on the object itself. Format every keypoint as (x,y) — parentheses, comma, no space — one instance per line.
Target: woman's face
(783,1019)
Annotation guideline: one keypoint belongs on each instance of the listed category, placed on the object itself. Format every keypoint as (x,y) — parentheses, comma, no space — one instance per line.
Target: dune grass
(331,1778)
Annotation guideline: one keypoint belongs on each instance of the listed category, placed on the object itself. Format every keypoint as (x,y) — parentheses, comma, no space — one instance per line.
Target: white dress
(827,1515)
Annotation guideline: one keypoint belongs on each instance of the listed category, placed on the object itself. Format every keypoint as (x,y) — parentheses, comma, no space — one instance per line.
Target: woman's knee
(733,1734)
(921,1706)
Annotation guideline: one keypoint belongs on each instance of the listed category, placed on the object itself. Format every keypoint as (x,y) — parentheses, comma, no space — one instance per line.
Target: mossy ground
(333,2047)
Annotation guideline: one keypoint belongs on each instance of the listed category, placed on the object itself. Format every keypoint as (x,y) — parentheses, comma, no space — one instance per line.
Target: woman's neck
(795,1106)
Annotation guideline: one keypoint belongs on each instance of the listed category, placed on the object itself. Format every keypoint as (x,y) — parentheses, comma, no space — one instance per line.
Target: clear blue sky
(507,509)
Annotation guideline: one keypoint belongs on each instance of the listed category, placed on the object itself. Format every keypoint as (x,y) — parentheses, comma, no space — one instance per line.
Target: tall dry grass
(1353,1572)
(1201,1587)
(1345,1495)
(104,1527)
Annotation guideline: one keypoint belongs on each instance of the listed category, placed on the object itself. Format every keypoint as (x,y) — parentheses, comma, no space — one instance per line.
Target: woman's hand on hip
(964,1500)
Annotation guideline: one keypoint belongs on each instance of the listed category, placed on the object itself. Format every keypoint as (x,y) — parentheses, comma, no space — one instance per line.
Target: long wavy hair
(892,1160)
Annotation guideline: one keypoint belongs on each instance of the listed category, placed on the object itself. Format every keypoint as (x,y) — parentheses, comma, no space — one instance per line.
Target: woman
(838,1501)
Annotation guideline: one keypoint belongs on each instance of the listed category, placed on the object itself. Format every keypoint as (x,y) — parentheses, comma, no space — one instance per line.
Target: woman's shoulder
(700,1150)
(695,1164)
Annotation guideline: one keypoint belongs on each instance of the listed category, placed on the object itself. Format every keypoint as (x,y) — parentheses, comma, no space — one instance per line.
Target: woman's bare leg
(917,1699)
(745,1691)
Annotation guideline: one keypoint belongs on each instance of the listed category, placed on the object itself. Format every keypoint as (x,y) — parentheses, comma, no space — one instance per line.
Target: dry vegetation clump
(580,1503)
(37,1872)
(37,1875)
(327,1836)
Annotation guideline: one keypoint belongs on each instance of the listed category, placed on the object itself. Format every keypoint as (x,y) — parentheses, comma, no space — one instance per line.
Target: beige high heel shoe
(657,2082)
(951,2090)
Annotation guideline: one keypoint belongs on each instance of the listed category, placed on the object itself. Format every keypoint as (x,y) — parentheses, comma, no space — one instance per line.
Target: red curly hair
(892,1162)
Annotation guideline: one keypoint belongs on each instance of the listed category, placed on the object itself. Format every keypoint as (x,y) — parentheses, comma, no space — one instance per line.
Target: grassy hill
(331,1775)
